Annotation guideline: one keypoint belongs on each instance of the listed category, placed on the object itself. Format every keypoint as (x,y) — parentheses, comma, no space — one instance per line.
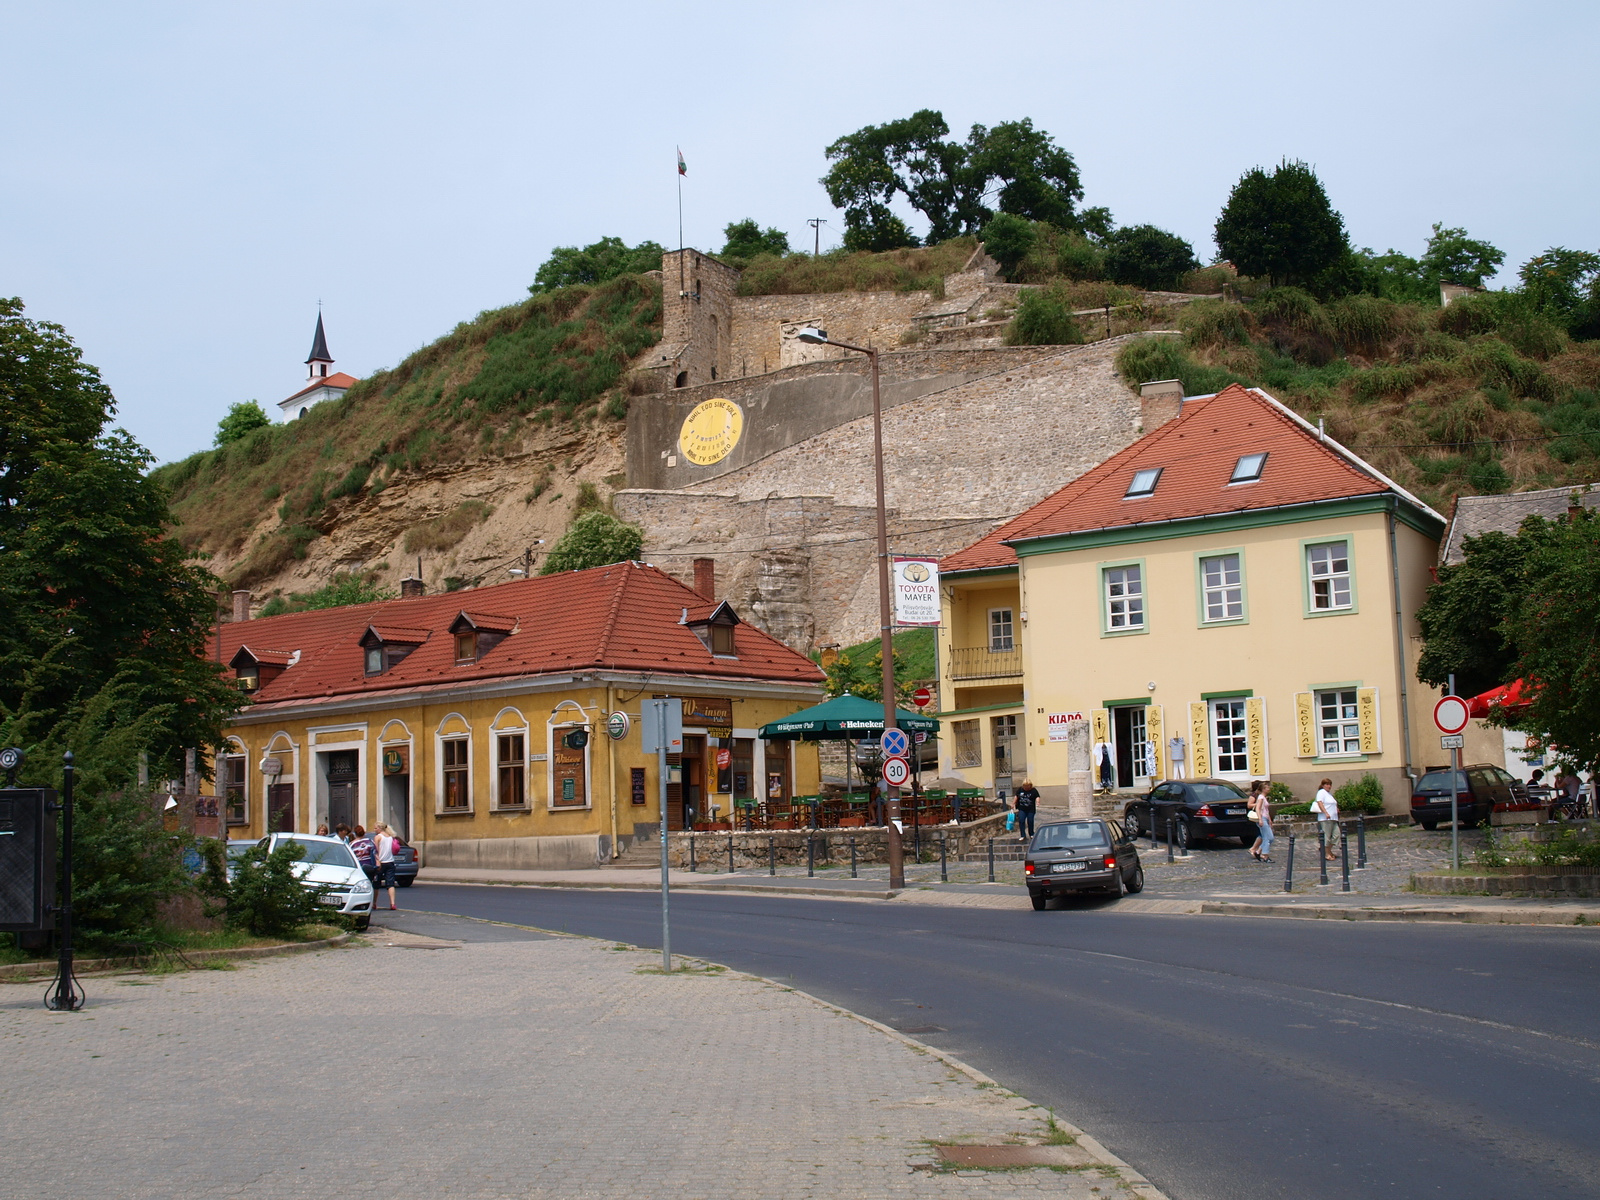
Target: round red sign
(921,697)
(1451,714)
(896,771)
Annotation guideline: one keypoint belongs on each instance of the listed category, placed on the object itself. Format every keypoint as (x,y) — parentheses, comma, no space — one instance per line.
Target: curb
(1454,916)
(87,966)
(652,888)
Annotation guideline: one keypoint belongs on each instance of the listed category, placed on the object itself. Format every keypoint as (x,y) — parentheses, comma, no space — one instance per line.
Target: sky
(181,185)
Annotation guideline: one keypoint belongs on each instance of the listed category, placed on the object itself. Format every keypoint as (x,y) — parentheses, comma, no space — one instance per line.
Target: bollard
(991,860)
(1183,838)
(811,856)
(772,855)
(1288,867)
(944,858)
(692,867)
(730,852)
(853,874)
(1361,841)
(1169,840)
(1344,859)
(1322,855)
(1155,840)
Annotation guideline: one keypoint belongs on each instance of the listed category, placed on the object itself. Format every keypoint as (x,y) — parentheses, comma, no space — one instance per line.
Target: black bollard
(772,855)
(730,852)
(1288,867)
(944,858)
(1169,840)
(692,867)
(1155,840)
(991,860)
(811,856)
(853,874)
(1344,858)
(1361,841)
(1322,855)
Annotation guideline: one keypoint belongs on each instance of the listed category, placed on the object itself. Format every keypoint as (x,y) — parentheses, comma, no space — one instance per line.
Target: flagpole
(680,224)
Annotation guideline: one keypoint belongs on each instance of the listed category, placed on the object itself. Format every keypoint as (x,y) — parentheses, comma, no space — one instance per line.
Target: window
(1338,726)
(511,770)
(466,647)
(722,640)
(1144,482)
(1124,598)
(249,678)
(1328,567)
(456,794)
(1227,723)
(1223,585)
(1248,468)
(968,747)
(232,773)
(1000,636)
(374,660)
(1004,730)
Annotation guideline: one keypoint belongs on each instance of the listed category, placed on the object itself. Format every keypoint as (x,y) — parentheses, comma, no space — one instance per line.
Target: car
(1209,808)
(1089,855)
(326,862)
(405,864)
(1479,788)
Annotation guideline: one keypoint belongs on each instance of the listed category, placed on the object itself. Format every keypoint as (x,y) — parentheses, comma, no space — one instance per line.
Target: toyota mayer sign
(916,591)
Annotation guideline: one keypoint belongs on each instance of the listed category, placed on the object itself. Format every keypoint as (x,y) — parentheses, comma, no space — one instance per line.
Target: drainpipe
(611,770)
(1400,642)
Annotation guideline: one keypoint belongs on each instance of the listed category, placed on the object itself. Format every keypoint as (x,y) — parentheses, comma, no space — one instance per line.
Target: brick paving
(508,1065)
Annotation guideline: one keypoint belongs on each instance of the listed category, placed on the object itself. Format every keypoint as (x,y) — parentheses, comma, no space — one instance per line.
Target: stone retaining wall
(1548,882)
(832,845)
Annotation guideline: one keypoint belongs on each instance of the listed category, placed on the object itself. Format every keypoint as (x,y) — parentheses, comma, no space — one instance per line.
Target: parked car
(405,864)
(1210,808)
(327,862)
(1080,856)
(1479,788)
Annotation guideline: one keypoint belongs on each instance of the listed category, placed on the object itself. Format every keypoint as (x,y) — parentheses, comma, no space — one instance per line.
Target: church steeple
(320,360)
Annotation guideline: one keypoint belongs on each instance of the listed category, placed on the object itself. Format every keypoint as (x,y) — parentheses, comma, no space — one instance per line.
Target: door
(1130,736)
(1230,747)
(1004,732)
(686,794)
(397,805)
(343,776)
(280,808)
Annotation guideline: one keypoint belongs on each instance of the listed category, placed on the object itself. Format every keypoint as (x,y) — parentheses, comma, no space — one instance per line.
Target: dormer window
(1248,468)
(254,669)
(249,678)
(374,660)
(467,647)
(478,633)
(382,646)
(1144,482)
(715,629)
(722,639)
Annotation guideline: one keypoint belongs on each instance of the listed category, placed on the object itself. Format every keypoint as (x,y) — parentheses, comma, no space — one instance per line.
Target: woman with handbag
(1261,814)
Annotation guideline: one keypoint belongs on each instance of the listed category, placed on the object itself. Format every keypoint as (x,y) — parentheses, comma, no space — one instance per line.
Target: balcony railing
(980,662)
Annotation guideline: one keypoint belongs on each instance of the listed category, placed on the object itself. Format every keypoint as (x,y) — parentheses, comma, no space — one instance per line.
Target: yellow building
(451,717)
(1233,587)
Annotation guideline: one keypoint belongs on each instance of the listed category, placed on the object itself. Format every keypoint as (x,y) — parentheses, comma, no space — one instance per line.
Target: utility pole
(816,224)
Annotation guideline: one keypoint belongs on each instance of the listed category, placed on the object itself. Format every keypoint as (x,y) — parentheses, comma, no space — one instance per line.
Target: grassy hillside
(556,357)
(1477,398)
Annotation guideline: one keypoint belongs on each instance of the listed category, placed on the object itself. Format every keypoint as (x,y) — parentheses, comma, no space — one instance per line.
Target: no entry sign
(921,697)
(896,770)
(1451,714)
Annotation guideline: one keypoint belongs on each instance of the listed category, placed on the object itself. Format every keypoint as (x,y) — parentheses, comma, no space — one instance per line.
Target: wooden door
(280,808)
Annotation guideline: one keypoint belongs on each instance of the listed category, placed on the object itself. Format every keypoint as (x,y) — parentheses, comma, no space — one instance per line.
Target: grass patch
(919,269)
(443,533)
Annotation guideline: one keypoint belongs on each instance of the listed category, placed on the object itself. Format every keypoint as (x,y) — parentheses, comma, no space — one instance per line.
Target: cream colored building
(1233,580)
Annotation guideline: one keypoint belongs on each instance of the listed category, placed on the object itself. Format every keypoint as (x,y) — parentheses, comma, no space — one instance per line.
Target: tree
(1280,225)
(1007,240)
(595,539)
(595,263)
(1454,257)
(242,418)
(1148,257)
(91,586)
(747,240)
(1562,283)
(1463,620)
(1044,318)
(946,181)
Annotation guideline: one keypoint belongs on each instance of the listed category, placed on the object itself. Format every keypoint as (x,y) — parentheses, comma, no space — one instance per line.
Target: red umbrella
(1512,695)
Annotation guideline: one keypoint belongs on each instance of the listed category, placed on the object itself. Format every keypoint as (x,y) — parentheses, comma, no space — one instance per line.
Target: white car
(327,862)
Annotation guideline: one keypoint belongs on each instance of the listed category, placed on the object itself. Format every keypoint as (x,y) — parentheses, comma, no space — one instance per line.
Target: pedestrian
(322,831)
(1105,766)
(1176,749)
(1327,809)
(1261,814)
(365,851)
(342,832)
(385,843)
(1027,806)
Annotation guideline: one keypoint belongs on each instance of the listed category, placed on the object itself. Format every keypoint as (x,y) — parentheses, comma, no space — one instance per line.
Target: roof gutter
(1400,639)
(1137,525)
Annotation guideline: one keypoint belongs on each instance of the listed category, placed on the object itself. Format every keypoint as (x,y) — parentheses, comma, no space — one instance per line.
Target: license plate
(1060,868)
(334,901)
(1235,812)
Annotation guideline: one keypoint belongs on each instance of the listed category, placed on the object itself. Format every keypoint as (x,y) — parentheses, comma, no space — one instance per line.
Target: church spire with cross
(320,360)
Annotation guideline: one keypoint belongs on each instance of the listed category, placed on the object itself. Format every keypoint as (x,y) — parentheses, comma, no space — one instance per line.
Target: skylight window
(1144,482)
(1248,467)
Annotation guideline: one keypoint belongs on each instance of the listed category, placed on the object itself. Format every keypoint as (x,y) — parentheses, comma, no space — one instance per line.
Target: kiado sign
(1059,723)
(916,591)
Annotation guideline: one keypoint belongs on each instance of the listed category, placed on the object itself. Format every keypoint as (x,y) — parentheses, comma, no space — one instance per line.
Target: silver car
(326,862)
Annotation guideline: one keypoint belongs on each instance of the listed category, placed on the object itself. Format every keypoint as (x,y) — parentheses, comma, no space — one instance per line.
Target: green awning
(844,717)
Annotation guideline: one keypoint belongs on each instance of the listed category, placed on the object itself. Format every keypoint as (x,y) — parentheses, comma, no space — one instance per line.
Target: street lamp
(897,867)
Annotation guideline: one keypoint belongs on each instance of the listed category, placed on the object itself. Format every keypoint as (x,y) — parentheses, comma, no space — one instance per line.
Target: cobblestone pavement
(454,1058)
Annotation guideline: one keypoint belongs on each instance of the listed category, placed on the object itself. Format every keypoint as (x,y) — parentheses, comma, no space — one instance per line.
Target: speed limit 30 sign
(896,770)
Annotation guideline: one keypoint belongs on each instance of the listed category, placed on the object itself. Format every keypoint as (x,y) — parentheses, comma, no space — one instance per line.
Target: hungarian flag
(682,167)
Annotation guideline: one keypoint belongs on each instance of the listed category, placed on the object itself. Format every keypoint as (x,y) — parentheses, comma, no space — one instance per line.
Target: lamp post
(897,866)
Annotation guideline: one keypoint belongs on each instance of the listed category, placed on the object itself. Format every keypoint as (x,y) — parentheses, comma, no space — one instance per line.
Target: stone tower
(697,317)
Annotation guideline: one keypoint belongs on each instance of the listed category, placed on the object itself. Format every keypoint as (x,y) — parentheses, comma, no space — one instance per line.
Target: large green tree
(1564,285)
(746,239)
(92,588)
(1454,257)
(1280,225)
(245,417)
(595,263)
(595,539)
(1148,257)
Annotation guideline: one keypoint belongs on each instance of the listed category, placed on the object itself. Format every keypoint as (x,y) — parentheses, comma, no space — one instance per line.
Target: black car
(1479,788)
(1080,856)
(405,864)
(1209,808)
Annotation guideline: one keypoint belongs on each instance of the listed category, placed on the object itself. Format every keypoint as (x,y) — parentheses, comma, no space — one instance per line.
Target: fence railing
(980,662)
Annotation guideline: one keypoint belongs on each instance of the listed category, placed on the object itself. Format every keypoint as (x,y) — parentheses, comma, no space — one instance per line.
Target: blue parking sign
(894,742)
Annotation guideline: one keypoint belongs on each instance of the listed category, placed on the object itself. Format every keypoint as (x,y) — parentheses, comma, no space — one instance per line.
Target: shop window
(1229,738)
(1338,723)
(968,744)
(457,794)
(511,770)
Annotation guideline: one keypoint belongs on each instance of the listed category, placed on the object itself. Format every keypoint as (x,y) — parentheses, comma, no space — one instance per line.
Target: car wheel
(1430,826)
(1118,887)
(1039,902)
(1130,824)
(406,880)
(361,925)
(1136,884)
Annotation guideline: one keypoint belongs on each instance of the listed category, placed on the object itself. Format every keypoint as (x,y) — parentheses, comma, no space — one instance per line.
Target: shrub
(1361,795)
(1148,257)
(1207,281)
(1164,358)
(1007,239)
(241,419)
(594,539)
(1213,323)
(1043,319)
(1364,323)
(264,896)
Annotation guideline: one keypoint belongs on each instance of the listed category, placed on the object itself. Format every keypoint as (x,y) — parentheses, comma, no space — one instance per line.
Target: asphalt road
(1225,1057)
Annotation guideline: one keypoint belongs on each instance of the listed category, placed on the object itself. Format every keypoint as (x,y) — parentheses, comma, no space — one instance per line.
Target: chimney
(705,578)
(410,588)
(241,604)
(1159,402)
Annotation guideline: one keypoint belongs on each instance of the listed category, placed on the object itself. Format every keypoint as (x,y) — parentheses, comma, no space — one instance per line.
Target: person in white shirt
(384,842)
(1327,810)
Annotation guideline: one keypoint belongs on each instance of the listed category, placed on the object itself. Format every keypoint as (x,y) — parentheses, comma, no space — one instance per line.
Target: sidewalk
(448,1057)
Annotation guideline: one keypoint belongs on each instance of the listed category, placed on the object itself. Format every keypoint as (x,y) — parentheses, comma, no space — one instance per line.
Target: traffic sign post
(896,770)
(1451,715)
(662,732)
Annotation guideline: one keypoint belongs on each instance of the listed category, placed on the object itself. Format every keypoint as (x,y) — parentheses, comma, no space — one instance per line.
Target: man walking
(1027,806)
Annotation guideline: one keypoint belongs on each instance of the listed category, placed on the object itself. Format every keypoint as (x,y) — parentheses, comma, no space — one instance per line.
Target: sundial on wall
(711,431)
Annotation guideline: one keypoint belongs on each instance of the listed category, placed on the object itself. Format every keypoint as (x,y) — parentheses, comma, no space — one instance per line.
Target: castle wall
(760,323)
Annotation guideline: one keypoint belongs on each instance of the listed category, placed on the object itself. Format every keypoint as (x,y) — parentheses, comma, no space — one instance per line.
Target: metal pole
(1322,855)
(1288,867)
(730,852)
(1361,841)
(1344,859)
(1169,840)
(897,868)
(692,866)
(944,858)
(1455,811)
(811,855)
(66,997)
(772,855)
(853,857)
(991,860)
(661,784)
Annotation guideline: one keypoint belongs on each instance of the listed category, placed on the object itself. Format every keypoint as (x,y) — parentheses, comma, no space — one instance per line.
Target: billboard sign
(916,591)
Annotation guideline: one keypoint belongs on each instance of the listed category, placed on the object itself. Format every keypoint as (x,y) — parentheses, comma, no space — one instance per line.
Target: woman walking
(1261,814)
(384,843)
(1327,809)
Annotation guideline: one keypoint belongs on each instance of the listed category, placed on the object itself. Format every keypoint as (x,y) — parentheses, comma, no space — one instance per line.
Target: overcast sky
(181,184)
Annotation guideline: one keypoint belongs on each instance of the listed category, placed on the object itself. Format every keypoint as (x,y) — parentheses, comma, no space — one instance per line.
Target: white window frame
(567,716)
(1344,724)
(1221,587)
(440,737)
(1010,626)
(1243,735)
(1108,602)
(1308,548)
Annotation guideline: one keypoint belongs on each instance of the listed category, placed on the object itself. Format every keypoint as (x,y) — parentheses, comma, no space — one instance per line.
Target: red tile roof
(1196,453)
(623,617)
(337,380)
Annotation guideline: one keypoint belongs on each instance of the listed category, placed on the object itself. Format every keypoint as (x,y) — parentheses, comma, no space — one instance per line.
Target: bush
(242,418)
(1043,319)
(1213,323)
(594,539)
(1148,257)
(264,897)
(1362,795)
(1164,358)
